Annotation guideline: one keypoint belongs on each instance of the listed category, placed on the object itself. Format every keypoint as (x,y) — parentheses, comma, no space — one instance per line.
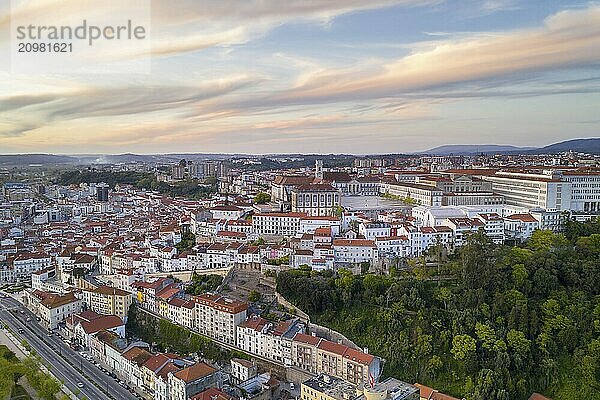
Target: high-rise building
(102,192)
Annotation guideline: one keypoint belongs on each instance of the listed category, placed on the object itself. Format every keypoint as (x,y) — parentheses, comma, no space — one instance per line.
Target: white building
(277,224)
(315,199)
(25,263)
(520,226)
(227,212)
(373,230)
(355,251)
(310,224)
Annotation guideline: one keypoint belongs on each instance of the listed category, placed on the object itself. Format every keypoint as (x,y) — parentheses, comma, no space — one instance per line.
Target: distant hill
(591,145)
(470,149)
(28,159)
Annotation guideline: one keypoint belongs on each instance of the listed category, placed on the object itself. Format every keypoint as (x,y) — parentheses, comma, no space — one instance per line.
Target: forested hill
(501,323)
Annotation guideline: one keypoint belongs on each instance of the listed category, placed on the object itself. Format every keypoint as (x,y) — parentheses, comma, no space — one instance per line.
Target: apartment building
(422,238)
(218,317)
(267,339)
(320,356)
(108,300)
(493,226)
(25,263)
(228,213)
(373,230)
(311,224)
(355,251)
(393,246)
(277,224)
(53,308)
(461,227)
(192,380)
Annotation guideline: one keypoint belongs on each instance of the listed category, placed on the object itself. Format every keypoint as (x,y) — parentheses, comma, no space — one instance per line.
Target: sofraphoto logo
(95,36)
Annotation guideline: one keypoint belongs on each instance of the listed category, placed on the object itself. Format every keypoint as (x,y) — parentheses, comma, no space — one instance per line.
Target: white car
(80,384)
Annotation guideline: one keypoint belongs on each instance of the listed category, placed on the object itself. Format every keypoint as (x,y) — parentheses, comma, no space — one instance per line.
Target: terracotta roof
(137,355)
(104,322)
(337,176)
(226,208)
(168,292)
(332,347)
(358,356)
(428,393)
(289,214)
(169,367)
(292,179)
(241,361)
(254,322)
(195,372)
(308,339)
(221,303)
(55,300)
(212,394)
(537,396)
(522,217)
(157,361)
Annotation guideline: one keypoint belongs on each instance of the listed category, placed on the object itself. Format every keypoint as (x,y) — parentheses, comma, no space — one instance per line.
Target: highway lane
(51,348)
(58,366)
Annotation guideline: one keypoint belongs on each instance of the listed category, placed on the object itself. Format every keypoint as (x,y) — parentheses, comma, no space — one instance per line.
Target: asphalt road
(62,359)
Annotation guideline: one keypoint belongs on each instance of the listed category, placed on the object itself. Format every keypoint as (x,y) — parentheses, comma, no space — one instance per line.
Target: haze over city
(328,76)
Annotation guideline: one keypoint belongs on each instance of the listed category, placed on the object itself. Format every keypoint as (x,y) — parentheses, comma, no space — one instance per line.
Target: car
(49,334)
(28,319)
(80,384)
(21,330)
(292,385)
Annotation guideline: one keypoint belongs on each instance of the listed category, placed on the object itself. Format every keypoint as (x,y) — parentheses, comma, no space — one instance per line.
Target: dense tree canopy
(191,188)
(493,322)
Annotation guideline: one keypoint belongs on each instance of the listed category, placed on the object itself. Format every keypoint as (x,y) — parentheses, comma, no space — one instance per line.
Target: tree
(444,294)
(254,296)
(517,342)
(434,365)
(463,346)
(486,335)
(262,198)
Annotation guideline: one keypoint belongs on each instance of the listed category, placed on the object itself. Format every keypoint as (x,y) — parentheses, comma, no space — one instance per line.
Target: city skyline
(355,77)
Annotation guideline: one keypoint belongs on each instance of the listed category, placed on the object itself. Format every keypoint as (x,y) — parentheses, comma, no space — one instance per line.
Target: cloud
(567,39)
(94,102)
(191,25)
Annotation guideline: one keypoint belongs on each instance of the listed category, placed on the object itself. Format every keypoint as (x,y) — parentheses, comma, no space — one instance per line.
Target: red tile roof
(308,339)
(195,372)
(212,394)
(105,322)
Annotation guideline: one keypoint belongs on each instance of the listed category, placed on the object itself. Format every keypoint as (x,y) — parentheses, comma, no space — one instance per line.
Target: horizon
(290,153)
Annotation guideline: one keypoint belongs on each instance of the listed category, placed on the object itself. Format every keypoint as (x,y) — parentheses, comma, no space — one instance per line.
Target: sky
(319,76)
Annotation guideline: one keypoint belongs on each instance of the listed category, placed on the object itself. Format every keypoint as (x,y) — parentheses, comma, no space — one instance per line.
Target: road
(65,363)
